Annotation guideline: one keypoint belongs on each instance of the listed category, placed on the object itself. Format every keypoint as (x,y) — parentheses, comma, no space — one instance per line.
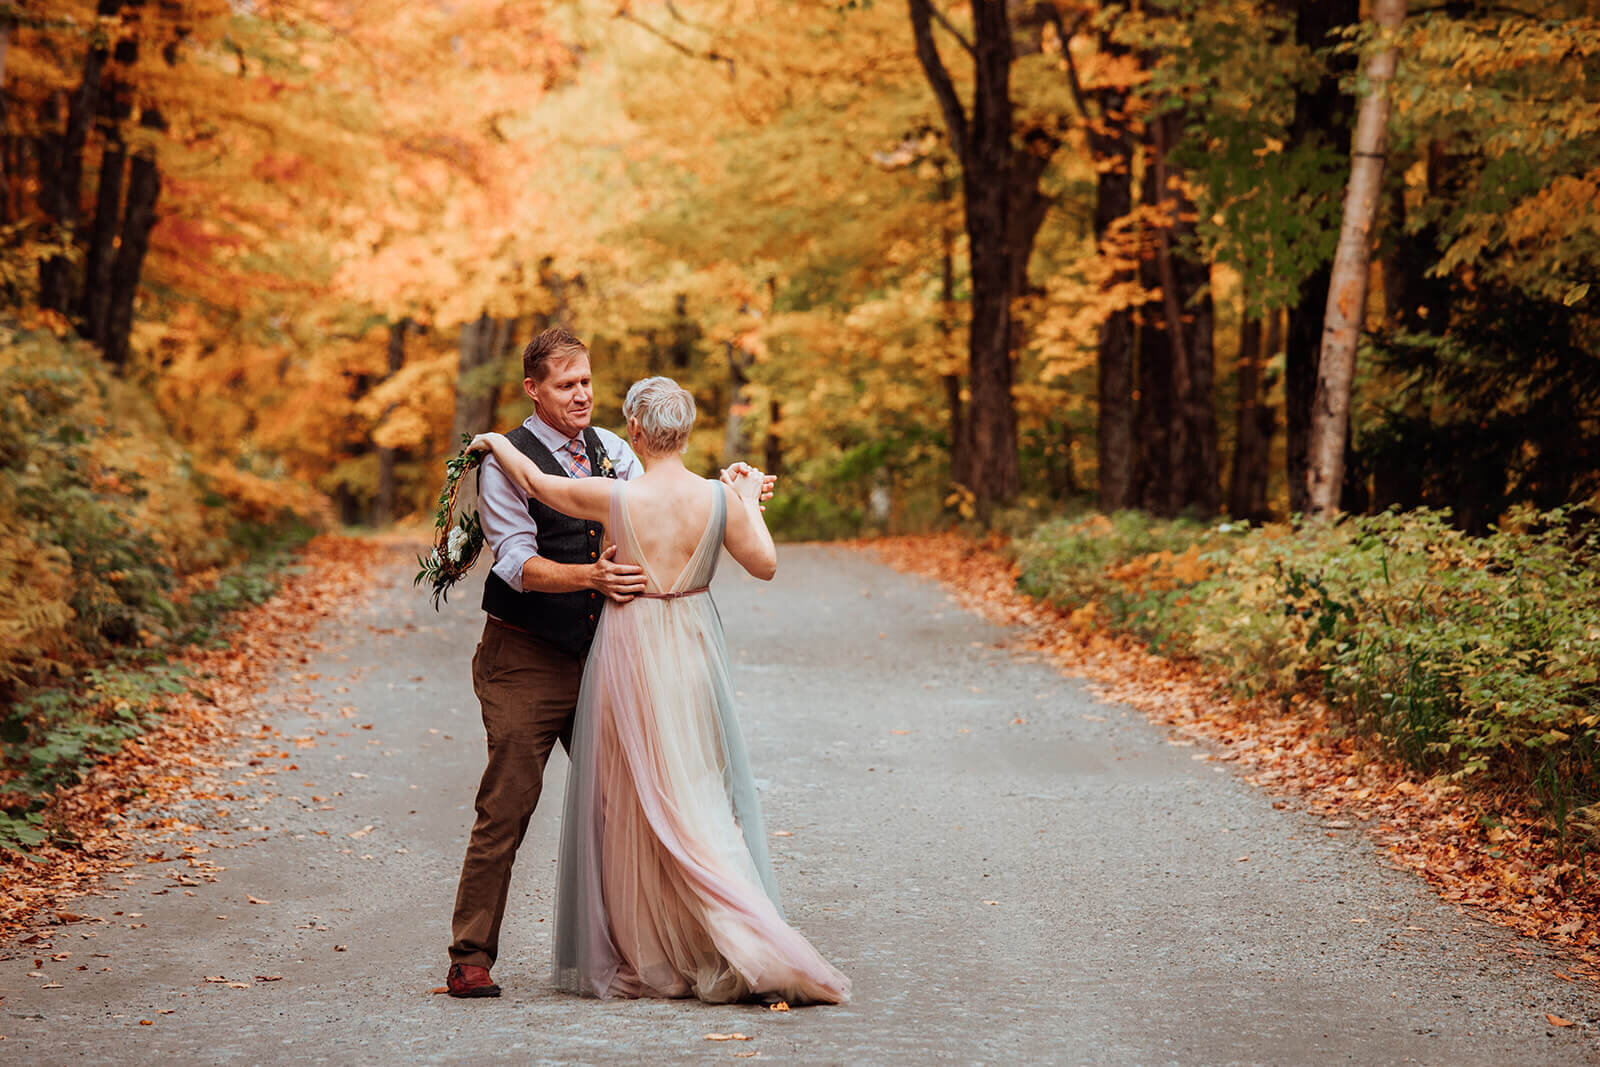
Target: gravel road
(1009,871)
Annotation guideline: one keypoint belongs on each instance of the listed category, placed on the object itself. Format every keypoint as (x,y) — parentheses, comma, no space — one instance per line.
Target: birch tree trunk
(1347,290)
(1321,114)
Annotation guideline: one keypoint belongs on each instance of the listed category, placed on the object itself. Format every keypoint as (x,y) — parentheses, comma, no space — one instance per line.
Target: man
(543,598)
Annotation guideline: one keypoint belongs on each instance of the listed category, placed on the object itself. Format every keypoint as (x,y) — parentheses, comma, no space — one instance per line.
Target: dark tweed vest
(564,620)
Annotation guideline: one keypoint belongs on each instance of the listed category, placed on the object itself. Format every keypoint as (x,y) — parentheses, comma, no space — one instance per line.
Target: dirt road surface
(1009,871)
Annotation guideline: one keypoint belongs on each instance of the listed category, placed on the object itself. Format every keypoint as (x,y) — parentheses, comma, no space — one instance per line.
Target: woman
(665,888)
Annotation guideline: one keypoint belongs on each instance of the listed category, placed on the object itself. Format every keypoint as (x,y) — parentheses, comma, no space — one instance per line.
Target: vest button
(594,555)
(591,618)
(594,533)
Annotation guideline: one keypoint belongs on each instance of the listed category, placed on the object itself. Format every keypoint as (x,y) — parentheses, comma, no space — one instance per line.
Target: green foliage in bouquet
(457,540)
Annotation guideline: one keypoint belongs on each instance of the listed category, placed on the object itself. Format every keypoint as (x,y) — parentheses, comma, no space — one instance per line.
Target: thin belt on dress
(674,596)
(496,621)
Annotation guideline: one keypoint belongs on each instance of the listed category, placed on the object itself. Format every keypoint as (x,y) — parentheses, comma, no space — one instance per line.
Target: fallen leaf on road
(746,1054)
(165,1011)
(439,989)
(215,978)
(727,1037)
(1019,721)
(991,902)
(357,774)
(782,1005)
(341,948)
(253,900)
(1556,1020)
(901,733)
(57,985)
(1242,859)
(269,977)
(146,1022)
(783,833)
(238,985)
(363,832)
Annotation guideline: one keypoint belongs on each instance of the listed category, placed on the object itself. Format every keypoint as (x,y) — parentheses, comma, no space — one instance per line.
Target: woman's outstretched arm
(582,498)
(747,538)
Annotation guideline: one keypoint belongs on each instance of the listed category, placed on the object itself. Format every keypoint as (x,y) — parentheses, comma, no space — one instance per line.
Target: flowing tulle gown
(665,886)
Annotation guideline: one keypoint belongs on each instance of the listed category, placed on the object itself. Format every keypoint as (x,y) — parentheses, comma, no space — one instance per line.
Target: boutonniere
(607,468)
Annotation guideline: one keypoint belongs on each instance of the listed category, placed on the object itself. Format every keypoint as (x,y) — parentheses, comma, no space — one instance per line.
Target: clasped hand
(748,482)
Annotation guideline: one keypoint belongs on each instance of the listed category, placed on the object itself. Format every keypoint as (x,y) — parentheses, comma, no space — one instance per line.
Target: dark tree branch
(952,31)
(1065,35)
(955,117)
(709,55)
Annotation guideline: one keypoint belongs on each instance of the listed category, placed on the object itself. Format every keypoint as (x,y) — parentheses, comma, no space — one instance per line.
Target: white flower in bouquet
(434,558)
(458,542)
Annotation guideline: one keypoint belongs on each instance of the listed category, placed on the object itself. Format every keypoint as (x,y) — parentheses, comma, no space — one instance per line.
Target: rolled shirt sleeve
(508,529)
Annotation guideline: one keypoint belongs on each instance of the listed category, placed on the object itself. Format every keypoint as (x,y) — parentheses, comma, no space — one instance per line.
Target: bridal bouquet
(457,540)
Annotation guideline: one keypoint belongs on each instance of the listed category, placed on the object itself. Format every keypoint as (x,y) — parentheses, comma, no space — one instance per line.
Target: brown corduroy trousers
(528,691)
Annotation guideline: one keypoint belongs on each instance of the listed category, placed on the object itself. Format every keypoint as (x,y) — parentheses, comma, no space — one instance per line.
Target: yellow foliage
(1159,572)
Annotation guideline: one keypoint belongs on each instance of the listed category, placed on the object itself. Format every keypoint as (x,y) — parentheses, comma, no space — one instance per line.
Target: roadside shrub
(1475,657)
(106,528)
(114,548)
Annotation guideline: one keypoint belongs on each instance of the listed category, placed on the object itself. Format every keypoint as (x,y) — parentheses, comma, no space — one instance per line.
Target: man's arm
(619,581)
(512,535)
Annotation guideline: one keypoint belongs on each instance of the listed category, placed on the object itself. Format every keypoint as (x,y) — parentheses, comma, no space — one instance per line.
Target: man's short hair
(554,343)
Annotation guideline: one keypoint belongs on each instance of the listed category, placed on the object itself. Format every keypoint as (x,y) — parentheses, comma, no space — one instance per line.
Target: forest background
(1003,264)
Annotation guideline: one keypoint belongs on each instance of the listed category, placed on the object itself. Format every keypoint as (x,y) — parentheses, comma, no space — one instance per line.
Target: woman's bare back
(668,516)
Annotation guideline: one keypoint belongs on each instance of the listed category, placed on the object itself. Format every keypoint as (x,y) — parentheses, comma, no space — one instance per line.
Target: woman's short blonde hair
(665,412)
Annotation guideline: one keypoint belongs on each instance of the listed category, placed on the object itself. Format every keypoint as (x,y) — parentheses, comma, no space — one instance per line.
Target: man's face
(565,398)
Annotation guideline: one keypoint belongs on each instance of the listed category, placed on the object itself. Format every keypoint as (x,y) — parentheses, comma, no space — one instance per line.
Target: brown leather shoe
(470,980)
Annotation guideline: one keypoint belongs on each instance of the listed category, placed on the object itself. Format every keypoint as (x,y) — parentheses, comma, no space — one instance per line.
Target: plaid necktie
(578,463)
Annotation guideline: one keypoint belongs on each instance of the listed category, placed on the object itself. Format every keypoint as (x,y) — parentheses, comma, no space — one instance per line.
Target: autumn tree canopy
(923,257)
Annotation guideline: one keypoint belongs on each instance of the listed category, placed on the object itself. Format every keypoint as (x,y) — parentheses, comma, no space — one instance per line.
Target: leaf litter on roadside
(104,816)
(1504,868)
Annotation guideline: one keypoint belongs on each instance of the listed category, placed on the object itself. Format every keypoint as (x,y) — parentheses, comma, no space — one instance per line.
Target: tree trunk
(1246,441)
(1187,464)
(774,447)
(477,389)
(8,170)
(383,505)
(1155,414)
(984,146)
(61,170)
(139,218)
(960,445)
(1320,112)
(1111,149)
(475,378)
(94,307)
(736,440)
(116,108)
(1347,294)
(1190,324)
